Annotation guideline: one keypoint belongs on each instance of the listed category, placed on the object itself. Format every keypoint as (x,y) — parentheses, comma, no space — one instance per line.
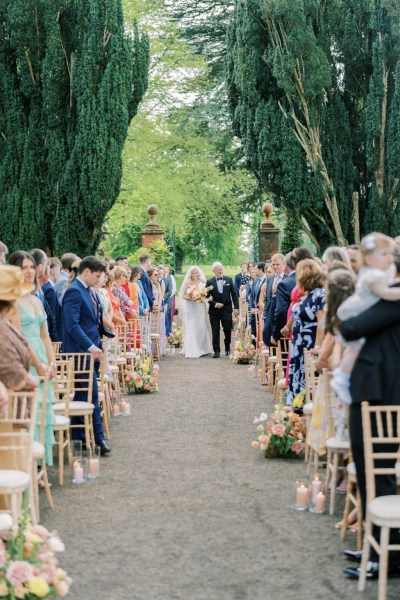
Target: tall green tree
(72,78)
(313,96)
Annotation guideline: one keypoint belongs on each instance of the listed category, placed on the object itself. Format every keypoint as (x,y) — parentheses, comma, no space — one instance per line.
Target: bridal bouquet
(281,434)
(29,566)
(175,337)
(197,293)
(143,379)
(243,355)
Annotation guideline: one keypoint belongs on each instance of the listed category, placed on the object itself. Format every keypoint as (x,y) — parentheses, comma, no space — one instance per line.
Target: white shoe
(341,388)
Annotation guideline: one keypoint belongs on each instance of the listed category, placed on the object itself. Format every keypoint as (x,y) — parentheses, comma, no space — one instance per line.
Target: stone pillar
(269,234)
(152,230)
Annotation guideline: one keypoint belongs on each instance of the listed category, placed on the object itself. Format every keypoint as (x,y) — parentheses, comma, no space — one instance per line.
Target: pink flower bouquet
(243,355)
(281,434)
(143,380)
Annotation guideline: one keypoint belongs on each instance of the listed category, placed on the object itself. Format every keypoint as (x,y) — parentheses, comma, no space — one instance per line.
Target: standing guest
(117,314)
(67,260)
(80,314)
(105,302)
(278,265)
(284,291)
(42,277)
(33,323)
(353,252)
(55,268)
(335,253)
(157,306)
(167,299)
(145,264)
(143,303)
(254,298)
(3,252)
(121,261)
(171,305)
(15,355)
(118,289)
(307,314)
(133,289)
(374,378)
(48,283)
(239,277)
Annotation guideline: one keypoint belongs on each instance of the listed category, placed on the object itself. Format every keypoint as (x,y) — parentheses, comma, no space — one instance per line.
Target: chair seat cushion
(61,422)
(385,508)
(113,368)
(272,359)
(13,480)
(308,408)
(282,383)
(37,450)
(351,469)
(335,443)
(75,408)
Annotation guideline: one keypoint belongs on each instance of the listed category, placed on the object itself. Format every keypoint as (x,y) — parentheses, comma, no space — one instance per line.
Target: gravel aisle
(185,509)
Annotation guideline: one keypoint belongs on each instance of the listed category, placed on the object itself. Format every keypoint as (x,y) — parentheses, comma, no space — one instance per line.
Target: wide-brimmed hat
(12,284)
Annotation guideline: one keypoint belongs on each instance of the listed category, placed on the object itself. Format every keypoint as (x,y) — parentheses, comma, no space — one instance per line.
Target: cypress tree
(313,96)
(72,78)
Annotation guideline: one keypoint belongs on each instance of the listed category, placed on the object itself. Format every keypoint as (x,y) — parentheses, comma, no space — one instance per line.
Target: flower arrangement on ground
(143,379)
(197,293)
(243,355)
(281,434)
(29,566)
(175,337)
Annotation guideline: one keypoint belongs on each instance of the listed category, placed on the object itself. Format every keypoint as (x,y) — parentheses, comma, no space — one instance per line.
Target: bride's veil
(185,283)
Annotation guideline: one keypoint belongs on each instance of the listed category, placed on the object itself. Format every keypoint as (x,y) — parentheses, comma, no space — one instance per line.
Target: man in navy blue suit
(145,264)
(254,298)
(282,300)
(80,317)
(278,265)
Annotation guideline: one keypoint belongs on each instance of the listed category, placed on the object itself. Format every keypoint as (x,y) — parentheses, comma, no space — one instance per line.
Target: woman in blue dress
(307,314)
(33,323)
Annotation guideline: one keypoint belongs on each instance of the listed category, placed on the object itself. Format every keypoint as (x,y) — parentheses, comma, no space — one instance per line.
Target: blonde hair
(309,274)
(119,271)
(372,241)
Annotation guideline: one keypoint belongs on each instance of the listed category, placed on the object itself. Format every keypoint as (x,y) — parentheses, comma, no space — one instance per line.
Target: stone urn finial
(269,234)
(152,210)
(152,231)
(267,209)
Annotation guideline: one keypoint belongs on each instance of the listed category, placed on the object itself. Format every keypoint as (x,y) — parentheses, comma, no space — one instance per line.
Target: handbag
(104,331)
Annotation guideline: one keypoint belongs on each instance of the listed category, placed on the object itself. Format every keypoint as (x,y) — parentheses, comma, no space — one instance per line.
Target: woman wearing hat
(34,329)
(15,352)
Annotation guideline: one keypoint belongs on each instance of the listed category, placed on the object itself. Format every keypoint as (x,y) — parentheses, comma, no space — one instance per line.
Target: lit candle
(316,486)
(251,371)
(125,408)
(116,411)
(78,471)
(302,495)
(94,467)
(319,501)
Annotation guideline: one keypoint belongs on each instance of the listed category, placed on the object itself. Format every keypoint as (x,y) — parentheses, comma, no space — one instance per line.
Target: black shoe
(372,571)
(353,555)
(216,355)
(104,447)
(227,352)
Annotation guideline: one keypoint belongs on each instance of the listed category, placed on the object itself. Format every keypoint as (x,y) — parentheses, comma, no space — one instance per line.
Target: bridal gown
(196,332)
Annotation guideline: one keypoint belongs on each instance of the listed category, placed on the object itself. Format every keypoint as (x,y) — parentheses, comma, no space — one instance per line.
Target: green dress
(31,326)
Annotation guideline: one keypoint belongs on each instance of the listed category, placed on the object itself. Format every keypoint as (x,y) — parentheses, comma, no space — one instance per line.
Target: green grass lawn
(229,271)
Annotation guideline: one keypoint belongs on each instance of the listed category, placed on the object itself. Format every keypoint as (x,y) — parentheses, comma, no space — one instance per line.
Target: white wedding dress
(196,330)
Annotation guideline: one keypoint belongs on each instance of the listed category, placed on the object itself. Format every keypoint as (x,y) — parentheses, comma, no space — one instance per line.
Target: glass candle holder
(125,407)
(78,470)
(315,486)
(94,464)
(318,503)
(251,371)
(76,448)
(116,410)
(302,495)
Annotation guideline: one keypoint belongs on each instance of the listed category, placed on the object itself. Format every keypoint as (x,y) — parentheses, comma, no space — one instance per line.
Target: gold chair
(39,474)
(17,430)
(82,381)
(381,431)
(155,335)
(63,384)
(282,355)
(352,499)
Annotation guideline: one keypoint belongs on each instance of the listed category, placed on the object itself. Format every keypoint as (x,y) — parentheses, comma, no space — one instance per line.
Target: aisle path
(185,509)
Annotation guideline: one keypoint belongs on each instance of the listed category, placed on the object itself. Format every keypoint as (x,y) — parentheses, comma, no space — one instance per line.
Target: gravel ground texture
(185,509)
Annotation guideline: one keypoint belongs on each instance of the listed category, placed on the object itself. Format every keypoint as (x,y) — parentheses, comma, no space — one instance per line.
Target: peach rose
(19,571)
(297,446)
(264,441)
(278,429)
(255,445)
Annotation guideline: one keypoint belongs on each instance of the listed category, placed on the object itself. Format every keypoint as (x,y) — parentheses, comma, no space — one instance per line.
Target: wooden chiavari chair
(17,430)
(155,335)
(282,354)
(39,473)
(63,385)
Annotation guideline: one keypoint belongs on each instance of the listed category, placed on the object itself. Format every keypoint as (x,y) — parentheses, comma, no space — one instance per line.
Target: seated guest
(80,315)
(15,352)
(67,260)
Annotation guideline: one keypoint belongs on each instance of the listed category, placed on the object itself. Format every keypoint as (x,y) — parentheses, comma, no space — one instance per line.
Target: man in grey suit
(278,264)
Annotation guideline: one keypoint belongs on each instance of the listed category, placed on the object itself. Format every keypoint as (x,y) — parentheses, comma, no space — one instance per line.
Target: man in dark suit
(80,316)
(278,264)
(375,378)
(239,276)
(167,298)
(42,277)
(223,296)
(145,264)
(282,301)
(254,298)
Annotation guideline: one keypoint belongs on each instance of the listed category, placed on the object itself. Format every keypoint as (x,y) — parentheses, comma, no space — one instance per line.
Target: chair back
(41,411)
(83,373)
(155,323)
(17,429)
(63,381)
(311,375)
(56,347)
(381,434)
(282,353)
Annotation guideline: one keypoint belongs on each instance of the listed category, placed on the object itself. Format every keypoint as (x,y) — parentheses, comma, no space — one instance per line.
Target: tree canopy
(313,92)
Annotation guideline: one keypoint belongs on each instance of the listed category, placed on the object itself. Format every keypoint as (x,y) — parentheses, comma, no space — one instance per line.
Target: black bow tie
(220,278)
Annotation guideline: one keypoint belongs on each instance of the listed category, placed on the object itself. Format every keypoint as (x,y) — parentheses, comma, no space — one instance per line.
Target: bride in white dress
(195,323)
